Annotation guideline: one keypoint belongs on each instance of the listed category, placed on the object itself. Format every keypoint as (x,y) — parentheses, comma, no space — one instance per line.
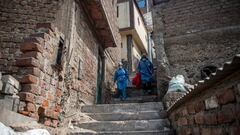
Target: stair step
(118,108)
(154,132)
(130,125)
(146,115)
(140,99)
(134,92)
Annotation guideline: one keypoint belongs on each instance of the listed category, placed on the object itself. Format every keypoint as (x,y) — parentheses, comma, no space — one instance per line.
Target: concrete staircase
(126,119)
(139,115)
(135,95)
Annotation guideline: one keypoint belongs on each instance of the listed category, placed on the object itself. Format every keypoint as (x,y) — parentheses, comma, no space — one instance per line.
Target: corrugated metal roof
(228,68)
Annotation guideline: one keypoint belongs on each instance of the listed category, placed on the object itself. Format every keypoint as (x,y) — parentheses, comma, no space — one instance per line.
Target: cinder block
(9,89)
(10,103)
(11,80)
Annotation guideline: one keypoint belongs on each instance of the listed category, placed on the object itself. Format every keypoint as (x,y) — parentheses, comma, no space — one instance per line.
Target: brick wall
(214,111)
(18,20)
(40,75)
(110,8)
(197,34)
(29,51)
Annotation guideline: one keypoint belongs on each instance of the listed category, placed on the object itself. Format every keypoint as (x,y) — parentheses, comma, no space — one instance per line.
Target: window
(60,52)
(117,11)
(121,45)
(141,3)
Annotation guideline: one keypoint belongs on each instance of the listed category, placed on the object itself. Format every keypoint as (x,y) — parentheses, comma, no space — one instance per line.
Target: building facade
(145,7)
(62,52)
(133,33)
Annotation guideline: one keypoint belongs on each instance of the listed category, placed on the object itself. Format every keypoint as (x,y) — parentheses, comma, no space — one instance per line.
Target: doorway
(100,77)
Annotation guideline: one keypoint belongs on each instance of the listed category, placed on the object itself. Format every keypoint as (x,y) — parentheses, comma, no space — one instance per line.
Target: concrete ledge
(10,118)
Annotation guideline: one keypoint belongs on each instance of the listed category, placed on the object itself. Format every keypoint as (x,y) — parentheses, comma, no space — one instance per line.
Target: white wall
(136,56)
(139,27)
(123,15)
(124,47)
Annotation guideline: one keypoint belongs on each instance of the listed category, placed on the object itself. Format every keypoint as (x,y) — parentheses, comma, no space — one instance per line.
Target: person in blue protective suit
(145,68)
(121,77)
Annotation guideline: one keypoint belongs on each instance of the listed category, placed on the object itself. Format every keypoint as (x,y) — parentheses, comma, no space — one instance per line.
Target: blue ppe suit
(121,76)
(145,67)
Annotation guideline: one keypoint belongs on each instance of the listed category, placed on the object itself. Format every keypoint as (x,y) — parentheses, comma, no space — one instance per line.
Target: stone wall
(212,108)
(197,34)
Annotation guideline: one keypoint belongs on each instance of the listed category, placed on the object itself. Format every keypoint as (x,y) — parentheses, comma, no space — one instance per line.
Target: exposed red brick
(237,110)
(206,131)
(55,115)
(217,131)
(41,111)
(27,62)
(226,97)
(210,119)
(184,111)
(235,130)
(196,131)
(33,54)
(191,121)
(26,113)
(96,14)
(40,35)
(45,25)
(30,70)
(182,122)
(51,114)
(33,40)
(45,104)
(176,116)
(57,108)
(227,114)
(32,88)
(200,106)
(31,107)
(185,131)
(58,93)
(50,97)
(29,79)
(190,109)
(31,46)
(26,96)
(199,118)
